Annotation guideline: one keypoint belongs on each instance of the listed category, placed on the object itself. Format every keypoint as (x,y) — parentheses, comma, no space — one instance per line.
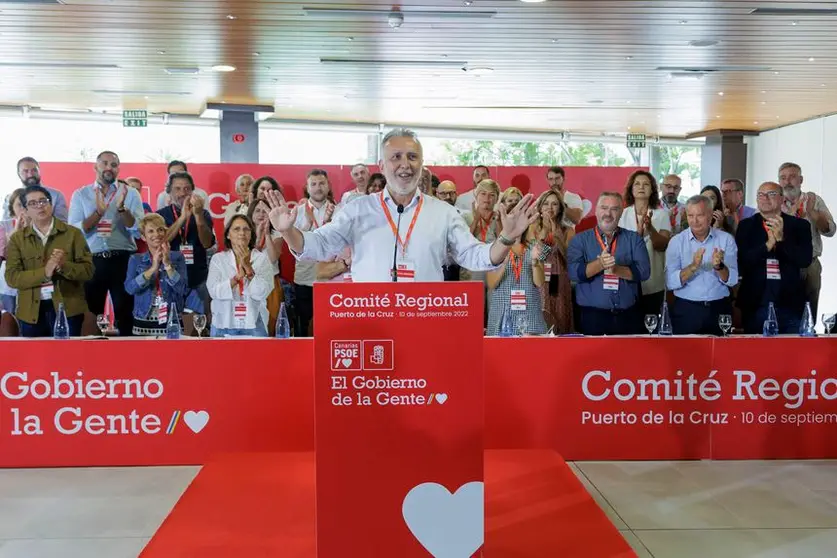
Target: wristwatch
(720,267)
(121,209)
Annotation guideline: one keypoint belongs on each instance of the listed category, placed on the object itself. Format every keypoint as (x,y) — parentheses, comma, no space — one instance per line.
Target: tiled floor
(778,509)
(719,509)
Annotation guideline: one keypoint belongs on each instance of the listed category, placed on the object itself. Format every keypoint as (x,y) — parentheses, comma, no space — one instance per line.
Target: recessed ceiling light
(717,116)
(822,85)
(629,58)
(703,43)
(775,73)
(629,127)
(257,54)
(554,41)
(223,68)
(756,122)
(683,22)
(658,116)
(763,92)
(479,70)
(811,59)
(467,2)
(794,22)
(628,101)
(161,52)
(350,39)
(721,93)
(231,17)
(777,118)
(764,102)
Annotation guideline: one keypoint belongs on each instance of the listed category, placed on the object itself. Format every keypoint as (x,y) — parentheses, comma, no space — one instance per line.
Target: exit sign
(134,118)
(636,141)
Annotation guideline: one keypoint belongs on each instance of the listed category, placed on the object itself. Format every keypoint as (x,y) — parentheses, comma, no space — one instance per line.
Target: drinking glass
(103,322)
(200,323)
(828,320)
(522,324)
(651,321)
(725,323)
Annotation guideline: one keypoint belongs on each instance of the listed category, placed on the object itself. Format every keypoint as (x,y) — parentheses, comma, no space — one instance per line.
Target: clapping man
(701,268)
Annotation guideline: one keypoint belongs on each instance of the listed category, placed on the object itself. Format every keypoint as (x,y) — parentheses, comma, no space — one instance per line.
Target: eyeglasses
(113,165)
(765,195)
(43,202)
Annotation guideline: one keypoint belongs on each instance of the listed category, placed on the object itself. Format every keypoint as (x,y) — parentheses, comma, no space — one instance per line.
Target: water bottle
(506,324)
(173,325)
(665,320)
(283,325)
(771,324)
(61,329)
(806,325)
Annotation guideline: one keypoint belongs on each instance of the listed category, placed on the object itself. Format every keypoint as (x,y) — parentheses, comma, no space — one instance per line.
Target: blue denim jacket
(144,292)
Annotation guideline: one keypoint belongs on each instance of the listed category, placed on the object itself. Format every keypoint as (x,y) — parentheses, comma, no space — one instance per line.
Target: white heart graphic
(196,421)
(346,362)
(441,398)
(447,525)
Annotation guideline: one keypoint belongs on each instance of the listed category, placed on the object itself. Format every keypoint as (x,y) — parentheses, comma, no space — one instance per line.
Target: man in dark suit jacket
(773,250)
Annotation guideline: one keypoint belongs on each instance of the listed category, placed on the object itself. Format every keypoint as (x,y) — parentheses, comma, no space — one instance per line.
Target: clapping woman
(556,291)
(240,281)
(156,278)
(270,242)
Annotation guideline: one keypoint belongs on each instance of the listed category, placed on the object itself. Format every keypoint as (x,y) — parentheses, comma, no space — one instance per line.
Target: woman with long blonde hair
(556,290)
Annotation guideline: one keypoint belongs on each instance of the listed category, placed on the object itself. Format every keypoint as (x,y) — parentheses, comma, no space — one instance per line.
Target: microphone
(400,209)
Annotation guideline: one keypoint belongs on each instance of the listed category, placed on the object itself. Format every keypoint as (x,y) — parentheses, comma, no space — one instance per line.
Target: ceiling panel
(571,65)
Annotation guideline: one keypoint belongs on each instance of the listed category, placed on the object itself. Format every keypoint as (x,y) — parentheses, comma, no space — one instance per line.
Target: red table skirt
(143,402)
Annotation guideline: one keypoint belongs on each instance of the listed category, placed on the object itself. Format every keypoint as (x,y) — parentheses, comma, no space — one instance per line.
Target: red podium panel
(399,409)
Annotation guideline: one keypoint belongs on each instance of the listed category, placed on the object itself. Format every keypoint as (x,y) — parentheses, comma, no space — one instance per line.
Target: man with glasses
(48,264)
(773,250)
(107,215)
(29,173)
(670,190)
(812,208)
(732,190)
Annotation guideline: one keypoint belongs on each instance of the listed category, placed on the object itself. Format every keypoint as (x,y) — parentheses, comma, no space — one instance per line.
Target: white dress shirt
(362,225)
(572,201)
(222,268)
(660,221)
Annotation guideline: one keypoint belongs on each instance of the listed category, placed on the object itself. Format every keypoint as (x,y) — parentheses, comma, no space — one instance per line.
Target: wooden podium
(398,374)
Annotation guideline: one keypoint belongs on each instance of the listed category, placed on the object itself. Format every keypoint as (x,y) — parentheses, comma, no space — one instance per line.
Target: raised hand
(717,257)
(281,216)
(165,251)
(101,206)
(156,258)
(717,218)
(777,227)
(197,204)
(60,256)
(123,193)
(329,211)
(697,259)
(516,221)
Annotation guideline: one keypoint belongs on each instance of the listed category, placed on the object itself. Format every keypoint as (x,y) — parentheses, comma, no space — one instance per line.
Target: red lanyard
(159,289)
(263,242)
(517,264)
(484,228)
(602,244)
(110,199)
(674,213)
(800,211)
(184,233)
(310,212)
(406,241)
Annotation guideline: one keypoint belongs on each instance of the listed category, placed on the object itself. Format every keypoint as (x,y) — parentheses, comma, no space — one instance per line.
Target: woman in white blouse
(240,281)
(645,216)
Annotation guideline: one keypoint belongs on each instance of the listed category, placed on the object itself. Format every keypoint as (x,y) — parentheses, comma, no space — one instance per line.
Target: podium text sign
(399,419)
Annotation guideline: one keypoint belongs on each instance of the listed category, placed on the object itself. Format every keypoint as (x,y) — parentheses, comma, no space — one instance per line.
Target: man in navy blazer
(773,250)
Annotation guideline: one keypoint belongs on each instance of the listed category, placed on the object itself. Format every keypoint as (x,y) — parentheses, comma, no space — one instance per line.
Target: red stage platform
(262,505)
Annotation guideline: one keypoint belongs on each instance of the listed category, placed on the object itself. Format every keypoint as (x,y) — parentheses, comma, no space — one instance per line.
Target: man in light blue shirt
(29,172)
(107,215)
(701,268)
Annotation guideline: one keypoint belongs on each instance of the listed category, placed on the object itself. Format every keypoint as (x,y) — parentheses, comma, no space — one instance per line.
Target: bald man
(447,192)
(670,190)
(773,250)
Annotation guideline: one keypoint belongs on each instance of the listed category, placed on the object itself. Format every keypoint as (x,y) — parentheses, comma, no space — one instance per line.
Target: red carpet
(262,505)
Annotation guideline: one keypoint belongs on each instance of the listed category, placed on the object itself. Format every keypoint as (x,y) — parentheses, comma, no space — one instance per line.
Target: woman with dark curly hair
(644,215)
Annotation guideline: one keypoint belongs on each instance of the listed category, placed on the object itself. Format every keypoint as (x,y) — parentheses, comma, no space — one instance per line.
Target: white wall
(813,146)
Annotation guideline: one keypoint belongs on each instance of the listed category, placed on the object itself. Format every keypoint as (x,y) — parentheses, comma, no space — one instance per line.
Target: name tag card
(518,300)
(240,313)
(188,252)
(399,429)
(162,310)
(347,277)
(46,290)
(104,228)
(773,269)
(611,282)
(406,271)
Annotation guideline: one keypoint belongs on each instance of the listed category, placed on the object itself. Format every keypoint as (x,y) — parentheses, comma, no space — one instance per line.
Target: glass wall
(74,139)
(314,147)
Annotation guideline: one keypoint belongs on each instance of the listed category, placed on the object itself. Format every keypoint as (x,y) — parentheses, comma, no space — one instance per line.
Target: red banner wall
(219,181)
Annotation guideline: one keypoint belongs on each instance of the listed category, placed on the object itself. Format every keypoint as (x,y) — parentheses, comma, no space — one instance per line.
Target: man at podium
(401,234)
